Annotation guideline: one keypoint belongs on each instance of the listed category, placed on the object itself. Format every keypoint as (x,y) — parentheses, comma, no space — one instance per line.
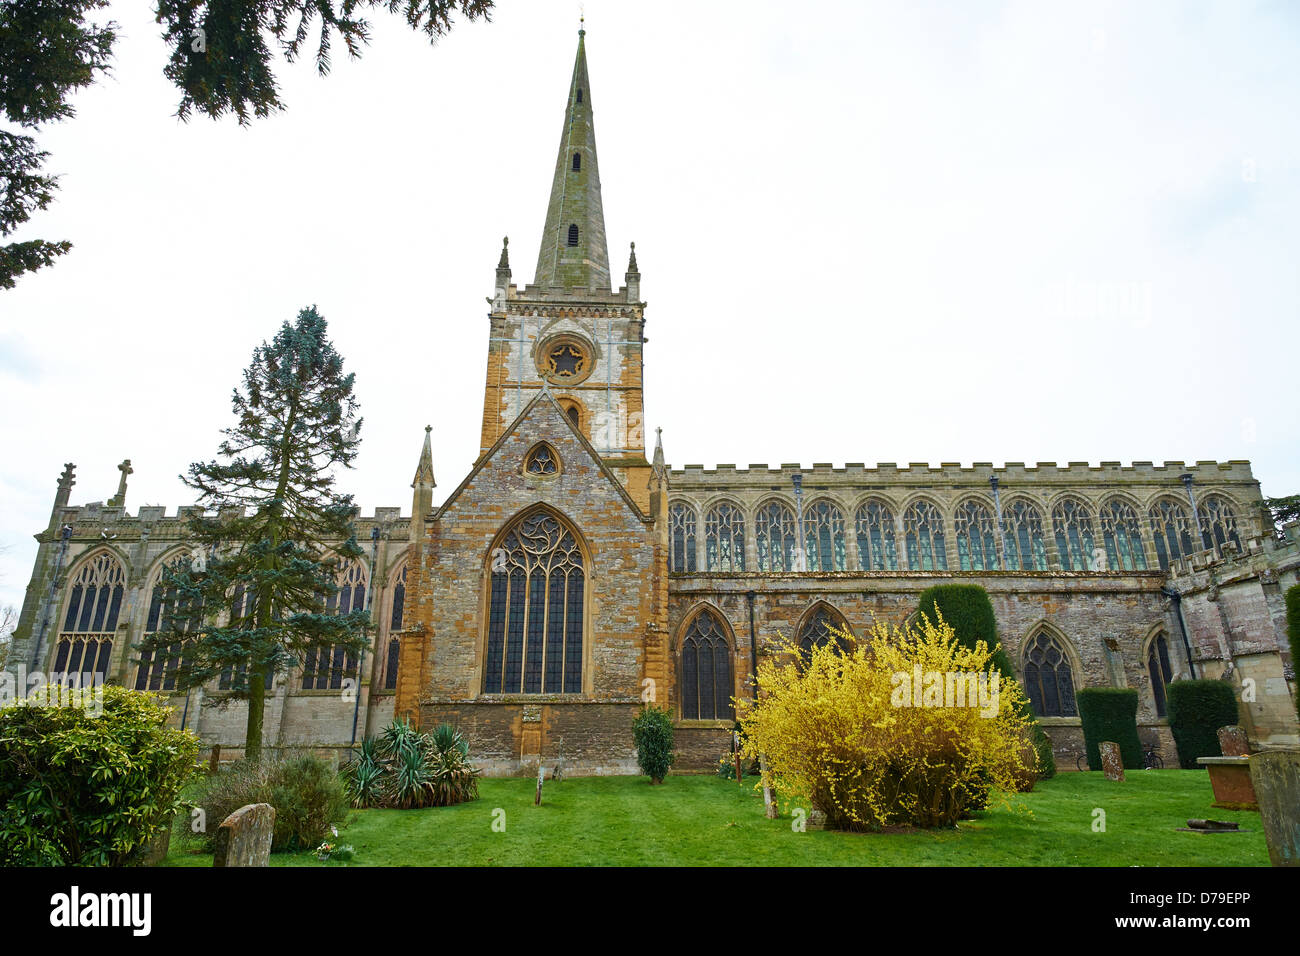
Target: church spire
(573,253)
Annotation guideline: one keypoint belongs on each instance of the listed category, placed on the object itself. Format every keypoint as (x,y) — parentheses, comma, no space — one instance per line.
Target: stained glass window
(542,461)
(706,670)
(817,631)
(777,537)
(977,542)
(327,667)
(85,644)
(875,527)
(681,537)
(535,610)
(824,537)
(394,625)
(1072,527)
(1121,533)
(157,669)
(1172,528)
(1023,534)
(1218,522)
(1048,680)
(923,537)
(1161,672)
(724,538)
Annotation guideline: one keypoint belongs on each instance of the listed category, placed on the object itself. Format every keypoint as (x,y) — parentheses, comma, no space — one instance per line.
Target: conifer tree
(256,596)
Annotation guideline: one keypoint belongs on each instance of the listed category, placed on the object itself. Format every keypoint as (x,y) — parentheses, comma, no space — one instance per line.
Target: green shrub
(308,797)
(1293,629)
(1197,709)
(83,790)
(966,608)
(1110,713)
(652,729)
(1043,747)
(405,769)
(307,794)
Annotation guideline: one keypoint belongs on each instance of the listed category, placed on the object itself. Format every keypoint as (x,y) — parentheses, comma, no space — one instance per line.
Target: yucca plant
(406,769)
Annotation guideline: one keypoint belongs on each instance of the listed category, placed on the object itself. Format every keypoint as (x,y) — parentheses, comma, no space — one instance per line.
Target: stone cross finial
(119,499)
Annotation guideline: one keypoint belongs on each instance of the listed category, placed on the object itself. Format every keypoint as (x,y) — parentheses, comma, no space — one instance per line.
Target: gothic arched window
(1172,531)
(1218,522)
(85,644)
(326,667)
(535,610)
(777,537)
(1048,680)
(923,538)
(577,162)
(1161,671)
(875,528)
(824,537)
(1023,524)
(157,669)
(817,631)
(724,538)
(681,538)
(1072,526)
(977,543)
(394,625)
(706,670)
(1121,534)
(542,461)
(573,234)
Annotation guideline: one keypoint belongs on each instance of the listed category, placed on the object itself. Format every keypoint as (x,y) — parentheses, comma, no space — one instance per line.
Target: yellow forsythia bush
(909,728)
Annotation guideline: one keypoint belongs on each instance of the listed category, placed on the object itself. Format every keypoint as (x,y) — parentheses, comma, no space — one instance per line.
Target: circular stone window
(565,360)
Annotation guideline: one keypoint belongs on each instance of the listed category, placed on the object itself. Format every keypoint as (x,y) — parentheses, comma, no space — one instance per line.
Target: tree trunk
(256,706)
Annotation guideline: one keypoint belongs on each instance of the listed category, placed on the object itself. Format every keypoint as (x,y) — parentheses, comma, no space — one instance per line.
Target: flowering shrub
(908,728)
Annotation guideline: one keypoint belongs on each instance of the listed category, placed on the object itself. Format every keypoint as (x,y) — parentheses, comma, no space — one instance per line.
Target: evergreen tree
(257,596)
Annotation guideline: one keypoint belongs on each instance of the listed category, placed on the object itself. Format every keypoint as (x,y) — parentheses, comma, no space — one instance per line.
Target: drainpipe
(1196,518)
(753,643)
(997,507)
(1177,599)
(49,599)
(361,661)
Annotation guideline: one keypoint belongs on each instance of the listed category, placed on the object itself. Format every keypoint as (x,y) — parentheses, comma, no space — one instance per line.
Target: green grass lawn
(707,821)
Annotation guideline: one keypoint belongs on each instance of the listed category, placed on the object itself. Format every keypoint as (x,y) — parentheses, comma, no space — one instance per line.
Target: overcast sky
(867,232)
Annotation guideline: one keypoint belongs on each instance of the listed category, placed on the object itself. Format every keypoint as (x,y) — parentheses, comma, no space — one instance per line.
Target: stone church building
(569,575)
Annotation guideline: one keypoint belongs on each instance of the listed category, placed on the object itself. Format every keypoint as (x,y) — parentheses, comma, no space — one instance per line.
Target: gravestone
(1276,776)
(1233,742)
(816,820)
(244,837)
(1112,762)
(214,759)
(161,841)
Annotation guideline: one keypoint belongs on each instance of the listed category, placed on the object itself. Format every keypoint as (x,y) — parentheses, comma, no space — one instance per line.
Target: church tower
(568,331)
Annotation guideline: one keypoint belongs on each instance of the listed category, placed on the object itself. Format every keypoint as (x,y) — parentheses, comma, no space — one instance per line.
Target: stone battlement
(1206,471)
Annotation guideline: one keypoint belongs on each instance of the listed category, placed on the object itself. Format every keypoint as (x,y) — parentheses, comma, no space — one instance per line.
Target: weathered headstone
(1233,742)
(1276,776)
(816,820)
(244,837)
(156,850)
(1112,762)
(541,775)
(214,759)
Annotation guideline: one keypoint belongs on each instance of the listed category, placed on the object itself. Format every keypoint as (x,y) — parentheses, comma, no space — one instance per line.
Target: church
(573,574)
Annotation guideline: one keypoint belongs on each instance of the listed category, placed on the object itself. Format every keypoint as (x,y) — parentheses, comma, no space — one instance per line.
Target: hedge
(1110,713)
(1197,709)
(968,611)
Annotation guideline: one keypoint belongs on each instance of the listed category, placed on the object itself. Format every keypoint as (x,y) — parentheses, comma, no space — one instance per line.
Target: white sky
(867,232)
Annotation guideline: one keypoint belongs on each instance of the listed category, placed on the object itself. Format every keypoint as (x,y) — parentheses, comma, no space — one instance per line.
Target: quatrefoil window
(542,461)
